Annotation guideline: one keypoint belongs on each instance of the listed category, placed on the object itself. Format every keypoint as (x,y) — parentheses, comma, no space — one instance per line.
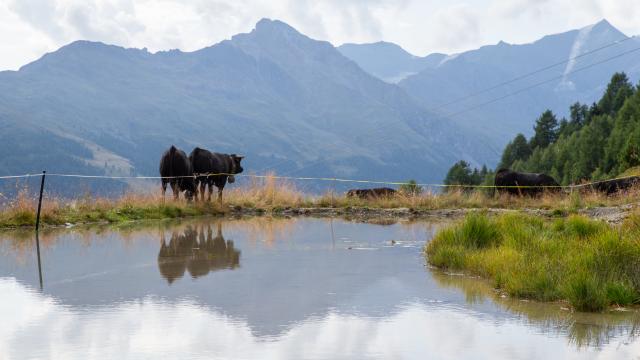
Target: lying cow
(371,193)
(521,183)
(613,186)
(214,169)
(175,170)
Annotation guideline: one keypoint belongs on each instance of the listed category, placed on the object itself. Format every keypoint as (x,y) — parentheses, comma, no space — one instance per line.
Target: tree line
(596,142)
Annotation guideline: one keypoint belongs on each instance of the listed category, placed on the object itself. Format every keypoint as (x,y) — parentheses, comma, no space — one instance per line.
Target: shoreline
(610,214)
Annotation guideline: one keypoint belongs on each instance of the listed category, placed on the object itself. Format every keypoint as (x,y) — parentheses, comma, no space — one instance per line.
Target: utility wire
(524,76)
(541,83)
(316,162)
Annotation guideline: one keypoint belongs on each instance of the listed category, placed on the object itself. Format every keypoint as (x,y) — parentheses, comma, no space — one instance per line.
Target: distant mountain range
(448,79)
(289,103)
(389,61)
(286,101)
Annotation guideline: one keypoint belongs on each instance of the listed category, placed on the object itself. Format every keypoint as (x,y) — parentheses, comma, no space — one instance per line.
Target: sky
(31,28)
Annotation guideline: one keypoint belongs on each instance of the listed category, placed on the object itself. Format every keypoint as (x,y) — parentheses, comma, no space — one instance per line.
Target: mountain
(453,85)
(388,61)
(471,72)
(287,102)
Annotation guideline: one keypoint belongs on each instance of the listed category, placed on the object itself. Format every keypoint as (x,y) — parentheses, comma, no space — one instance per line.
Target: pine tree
(546,130)
(518,149)
(618,90)
(459,174)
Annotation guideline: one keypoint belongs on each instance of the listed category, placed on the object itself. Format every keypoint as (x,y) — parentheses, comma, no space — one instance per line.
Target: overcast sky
(30,28)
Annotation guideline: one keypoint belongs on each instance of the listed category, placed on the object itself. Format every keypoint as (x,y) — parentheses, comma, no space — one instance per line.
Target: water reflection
(582,329)
(197,251)
(307,288)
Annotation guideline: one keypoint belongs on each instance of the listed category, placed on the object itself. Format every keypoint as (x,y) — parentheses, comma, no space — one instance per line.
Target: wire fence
(327,179)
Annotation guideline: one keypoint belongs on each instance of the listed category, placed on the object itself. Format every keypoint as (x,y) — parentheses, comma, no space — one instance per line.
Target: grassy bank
(590,264)
(272,195)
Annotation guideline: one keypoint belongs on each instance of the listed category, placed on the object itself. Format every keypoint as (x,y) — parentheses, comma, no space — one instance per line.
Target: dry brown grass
(272,194)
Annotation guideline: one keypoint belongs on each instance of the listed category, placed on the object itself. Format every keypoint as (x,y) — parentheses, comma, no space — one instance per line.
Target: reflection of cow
(613,186)
(520,183)
(371,193)
(196,252)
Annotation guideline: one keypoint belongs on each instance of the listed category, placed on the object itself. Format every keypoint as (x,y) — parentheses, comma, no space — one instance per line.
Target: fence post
(44,173)
(333,192)
(38,227)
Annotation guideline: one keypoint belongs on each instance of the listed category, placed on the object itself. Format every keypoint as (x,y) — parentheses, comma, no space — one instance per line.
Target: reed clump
(588,263)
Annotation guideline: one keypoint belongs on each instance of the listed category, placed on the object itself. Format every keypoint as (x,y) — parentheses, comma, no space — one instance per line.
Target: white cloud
(37,326)
(28,28)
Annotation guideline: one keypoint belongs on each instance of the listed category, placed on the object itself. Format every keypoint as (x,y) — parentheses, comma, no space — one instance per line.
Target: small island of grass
(588,263)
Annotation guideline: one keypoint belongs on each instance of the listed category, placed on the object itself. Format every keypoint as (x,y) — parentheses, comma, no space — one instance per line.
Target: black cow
(205,163)
(175,169)
(613,186)
(371,193)
(533,184)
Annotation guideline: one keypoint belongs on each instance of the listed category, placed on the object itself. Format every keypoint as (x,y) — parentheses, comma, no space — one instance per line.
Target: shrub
(410,188)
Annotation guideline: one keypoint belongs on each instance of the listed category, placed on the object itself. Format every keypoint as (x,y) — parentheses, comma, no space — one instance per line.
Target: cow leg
(164,189)
(220,195)
(519,189)
(203,186)
(176,190)
(210,191)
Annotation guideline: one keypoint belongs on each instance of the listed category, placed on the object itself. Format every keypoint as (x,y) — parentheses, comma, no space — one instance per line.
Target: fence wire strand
(331,179)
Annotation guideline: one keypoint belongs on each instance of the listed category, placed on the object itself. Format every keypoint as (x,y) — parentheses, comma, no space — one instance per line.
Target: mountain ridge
(286,101)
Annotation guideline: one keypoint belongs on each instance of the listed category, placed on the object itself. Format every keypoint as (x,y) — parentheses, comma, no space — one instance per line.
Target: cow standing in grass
(613,186)
(371,193)
(521,183)
(175,170)
(214,169)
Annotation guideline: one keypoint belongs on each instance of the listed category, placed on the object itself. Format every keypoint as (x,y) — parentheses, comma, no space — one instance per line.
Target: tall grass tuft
(590,264)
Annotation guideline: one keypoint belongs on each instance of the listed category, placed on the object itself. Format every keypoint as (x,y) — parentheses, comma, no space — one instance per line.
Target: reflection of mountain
(196,253)
(293,272)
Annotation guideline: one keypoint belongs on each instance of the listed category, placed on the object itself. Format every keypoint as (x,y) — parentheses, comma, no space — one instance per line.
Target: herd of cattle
(532,184)
(202,169)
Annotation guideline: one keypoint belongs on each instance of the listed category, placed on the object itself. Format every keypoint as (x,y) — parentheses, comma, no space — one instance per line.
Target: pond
(265,288)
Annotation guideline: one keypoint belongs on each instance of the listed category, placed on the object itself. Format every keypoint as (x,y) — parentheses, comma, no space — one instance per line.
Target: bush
(410,188)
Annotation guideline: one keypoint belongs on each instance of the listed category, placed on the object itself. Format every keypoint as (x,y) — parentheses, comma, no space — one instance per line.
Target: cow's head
(236,168)
(188,184)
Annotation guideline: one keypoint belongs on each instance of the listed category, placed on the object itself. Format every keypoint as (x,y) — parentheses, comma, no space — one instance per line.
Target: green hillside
(596,142)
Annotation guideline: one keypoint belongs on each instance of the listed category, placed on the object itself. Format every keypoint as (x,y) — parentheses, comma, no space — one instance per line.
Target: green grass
(273,195)
(589,263)
(130,208)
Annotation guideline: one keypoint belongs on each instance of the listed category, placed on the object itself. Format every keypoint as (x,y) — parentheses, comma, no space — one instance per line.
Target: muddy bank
(613,215)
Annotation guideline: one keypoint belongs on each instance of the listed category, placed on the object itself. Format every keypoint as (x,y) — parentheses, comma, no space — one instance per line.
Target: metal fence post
(38,227)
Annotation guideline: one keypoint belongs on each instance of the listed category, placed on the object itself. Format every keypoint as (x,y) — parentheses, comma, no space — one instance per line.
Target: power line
(316,162)
(524,76)
(541,83)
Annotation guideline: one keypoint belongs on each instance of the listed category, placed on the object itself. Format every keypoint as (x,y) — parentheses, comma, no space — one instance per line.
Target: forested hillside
(598,141)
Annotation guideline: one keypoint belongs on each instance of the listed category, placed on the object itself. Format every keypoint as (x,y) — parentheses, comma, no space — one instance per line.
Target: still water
(267,288)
